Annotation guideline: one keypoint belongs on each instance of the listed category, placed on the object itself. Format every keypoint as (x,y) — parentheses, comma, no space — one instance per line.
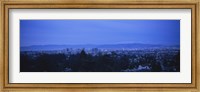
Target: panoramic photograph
(103,45)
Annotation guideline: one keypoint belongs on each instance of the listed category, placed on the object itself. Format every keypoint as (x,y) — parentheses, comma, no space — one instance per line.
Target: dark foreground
(96,60)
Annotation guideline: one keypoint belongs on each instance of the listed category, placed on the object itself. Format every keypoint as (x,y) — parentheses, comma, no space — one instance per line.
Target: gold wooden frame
(5,86)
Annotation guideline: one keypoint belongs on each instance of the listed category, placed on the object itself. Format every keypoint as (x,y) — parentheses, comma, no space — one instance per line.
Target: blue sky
(60,32)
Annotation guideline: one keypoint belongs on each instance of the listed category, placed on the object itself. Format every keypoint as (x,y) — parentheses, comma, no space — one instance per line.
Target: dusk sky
(64,32)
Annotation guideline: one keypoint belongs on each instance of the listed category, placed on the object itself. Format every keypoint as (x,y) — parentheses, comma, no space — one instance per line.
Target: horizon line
(100,44)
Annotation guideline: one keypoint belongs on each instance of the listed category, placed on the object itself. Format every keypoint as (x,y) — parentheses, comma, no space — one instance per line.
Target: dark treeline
(85,62)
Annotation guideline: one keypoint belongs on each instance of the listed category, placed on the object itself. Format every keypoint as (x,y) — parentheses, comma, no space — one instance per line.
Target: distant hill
(105,46)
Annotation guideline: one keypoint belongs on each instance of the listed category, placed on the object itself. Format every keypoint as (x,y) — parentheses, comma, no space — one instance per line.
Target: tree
(156,67)
(124,62)
(51,62)
(83,54)
(177,61)
(24,62)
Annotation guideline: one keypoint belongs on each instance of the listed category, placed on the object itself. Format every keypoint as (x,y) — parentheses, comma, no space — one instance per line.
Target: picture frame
(110,87)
